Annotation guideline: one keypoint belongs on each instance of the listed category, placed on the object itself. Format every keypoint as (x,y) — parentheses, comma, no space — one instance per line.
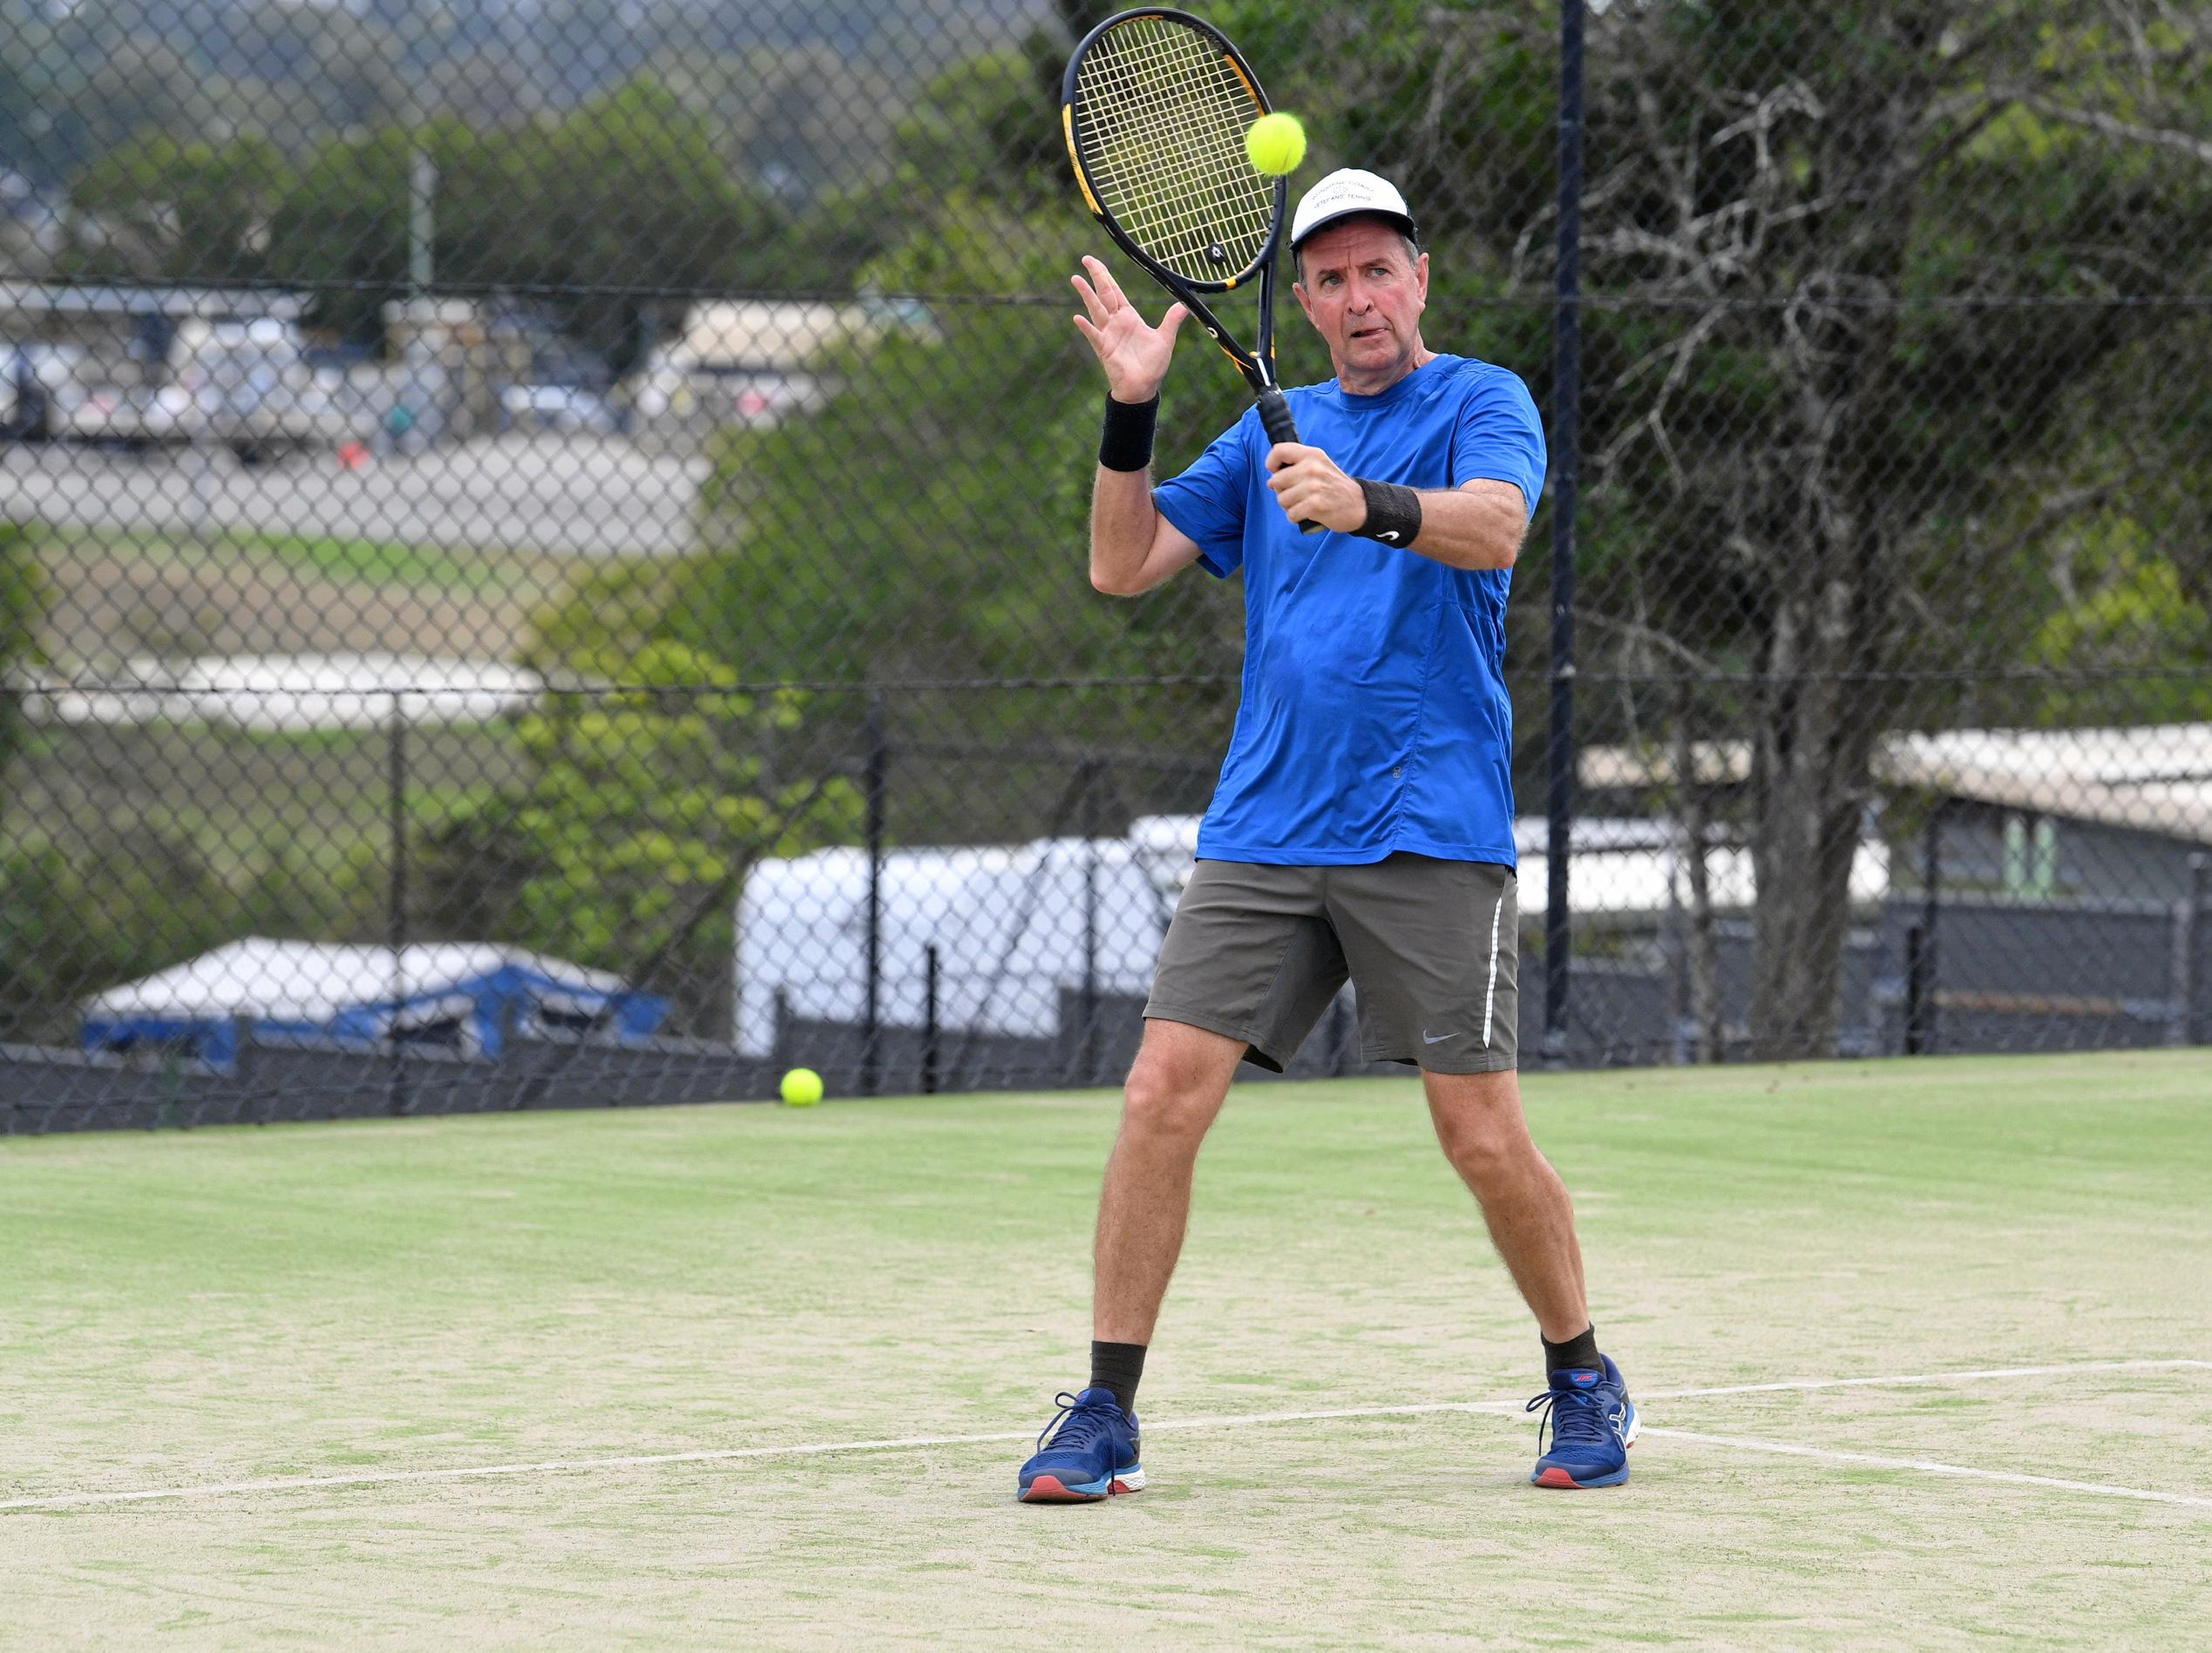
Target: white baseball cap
(1344,192)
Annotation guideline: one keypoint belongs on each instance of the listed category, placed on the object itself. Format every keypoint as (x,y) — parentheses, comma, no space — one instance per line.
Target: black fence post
(1092,784)
(878,768)
(1916,988)
(2192,918)
(398,1100)
(929,1021)
(1675,953)
(1921,943)
(1566,443)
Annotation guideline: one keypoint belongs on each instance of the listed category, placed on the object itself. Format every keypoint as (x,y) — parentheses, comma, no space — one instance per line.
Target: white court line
(1924,1377)
(2104,1490)
(812,1449)
(1508,1408)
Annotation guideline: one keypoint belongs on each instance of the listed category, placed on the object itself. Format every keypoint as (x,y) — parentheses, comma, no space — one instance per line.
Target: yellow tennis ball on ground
(802,1087)
(1276,144)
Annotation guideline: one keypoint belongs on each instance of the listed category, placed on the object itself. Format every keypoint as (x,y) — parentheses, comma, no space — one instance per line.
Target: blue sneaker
(1593,1425)
(1092,1454)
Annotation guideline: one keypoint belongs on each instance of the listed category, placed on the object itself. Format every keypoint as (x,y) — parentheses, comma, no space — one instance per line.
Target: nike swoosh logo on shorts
(1427,1037)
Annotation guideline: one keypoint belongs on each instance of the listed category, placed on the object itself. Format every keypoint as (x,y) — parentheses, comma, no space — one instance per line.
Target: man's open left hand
(1310,488)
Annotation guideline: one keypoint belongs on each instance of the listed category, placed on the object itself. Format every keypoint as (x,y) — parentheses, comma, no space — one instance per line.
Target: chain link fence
(541,549)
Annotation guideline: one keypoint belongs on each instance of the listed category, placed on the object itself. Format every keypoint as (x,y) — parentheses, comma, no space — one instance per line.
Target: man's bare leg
(1484,1134)
(1175,1091)
(1591,1420)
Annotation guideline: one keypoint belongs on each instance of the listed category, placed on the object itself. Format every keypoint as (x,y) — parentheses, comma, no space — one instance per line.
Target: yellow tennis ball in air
(1276,144)
(802,1087)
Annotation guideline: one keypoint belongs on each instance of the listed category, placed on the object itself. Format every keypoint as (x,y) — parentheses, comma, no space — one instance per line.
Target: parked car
(554,407)
(134,417)
(254,391)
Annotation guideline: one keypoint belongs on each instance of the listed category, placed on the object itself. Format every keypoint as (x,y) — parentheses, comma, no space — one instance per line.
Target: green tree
(40,82)
(642,811)
(342,230)
(1862,167)
(628,192)
(82,912)
(192,211)
(23,597)
(602,210)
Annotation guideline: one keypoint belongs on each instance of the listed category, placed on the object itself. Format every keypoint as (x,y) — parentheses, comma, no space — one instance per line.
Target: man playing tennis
(1363,825)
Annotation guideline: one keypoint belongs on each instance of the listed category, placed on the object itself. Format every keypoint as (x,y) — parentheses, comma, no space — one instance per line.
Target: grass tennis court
(775,1287)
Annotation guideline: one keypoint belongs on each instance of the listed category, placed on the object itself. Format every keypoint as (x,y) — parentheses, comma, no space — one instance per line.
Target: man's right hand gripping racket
(1155,106)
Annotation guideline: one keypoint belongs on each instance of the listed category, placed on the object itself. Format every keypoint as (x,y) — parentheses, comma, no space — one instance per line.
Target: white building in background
(1012,926)
(2037,813)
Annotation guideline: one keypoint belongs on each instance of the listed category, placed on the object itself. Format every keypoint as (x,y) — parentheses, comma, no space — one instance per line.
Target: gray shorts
(1259,952)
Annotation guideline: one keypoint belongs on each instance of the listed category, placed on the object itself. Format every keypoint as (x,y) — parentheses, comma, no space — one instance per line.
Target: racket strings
(1162,120)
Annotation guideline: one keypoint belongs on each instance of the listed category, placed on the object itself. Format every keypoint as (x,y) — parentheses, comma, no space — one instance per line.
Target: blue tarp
(472,998)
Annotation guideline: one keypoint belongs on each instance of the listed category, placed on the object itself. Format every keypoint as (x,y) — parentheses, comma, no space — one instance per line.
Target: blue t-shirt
(1374,716)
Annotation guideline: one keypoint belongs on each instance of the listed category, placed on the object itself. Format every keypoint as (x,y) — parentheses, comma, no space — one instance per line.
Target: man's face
(1365,295)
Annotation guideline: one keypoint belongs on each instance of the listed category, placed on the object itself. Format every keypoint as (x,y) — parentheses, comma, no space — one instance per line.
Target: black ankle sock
(1575,1354)
(1117,1367)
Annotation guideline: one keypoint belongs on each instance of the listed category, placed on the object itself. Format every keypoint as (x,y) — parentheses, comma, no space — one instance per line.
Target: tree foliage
(602,209)
(25,595)
(186,211)
(1820,219)
(81,912)
(625,844)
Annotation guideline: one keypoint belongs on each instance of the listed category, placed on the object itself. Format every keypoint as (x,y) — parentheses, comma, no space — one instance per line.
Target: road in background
(568,495)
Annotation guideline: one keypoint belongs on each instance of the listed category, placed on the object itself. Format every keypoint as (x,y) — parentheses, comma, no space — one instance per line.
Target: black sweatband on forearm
(1394,512)
(1127,442)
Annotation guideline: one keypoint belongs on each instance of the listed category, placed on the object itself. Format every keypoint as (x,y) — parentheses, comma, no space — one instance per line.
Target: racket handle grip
(1275,419)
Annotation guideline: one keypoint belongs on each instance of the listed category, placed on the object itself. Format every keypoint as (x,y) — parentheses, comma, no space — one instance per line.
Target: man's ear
(1420,277)
(1298,292)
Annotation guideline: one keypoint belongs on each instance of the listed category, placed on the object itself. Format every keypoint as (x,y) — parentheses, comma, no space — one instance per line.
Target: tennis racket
(1155,105)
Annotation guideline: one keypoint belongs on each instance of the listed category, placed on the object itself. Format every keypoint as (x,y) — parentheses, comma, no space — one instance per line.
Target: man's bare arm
(1133,548)
(1478,524)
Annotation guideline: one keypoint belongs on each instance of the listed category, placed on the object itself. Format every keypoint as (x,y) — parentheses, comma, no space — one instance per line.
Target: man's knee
(1177,1085)
(1479,1123)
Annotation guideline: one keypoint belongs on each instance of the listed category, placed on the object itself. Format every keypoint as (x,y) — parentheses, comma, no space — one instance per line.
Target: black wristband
(1127,442)
(1394,512)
